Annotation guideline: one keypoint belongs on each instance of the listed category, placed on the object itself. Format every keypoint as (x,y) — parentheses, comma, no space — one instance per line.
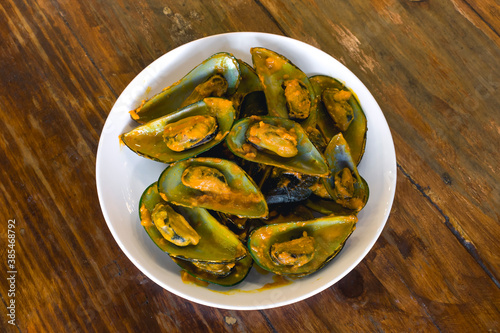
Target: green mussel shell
(243,198)
(339,157)
(308,160)
(329,233)
(273,70)
(355,135)
(238,272)
(147,140)
(249,83)
(172,97)
(217,243)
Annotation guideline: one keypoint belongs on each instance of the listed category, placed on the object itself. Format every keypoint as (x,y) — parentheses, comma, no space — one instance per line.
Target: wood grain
(432,66)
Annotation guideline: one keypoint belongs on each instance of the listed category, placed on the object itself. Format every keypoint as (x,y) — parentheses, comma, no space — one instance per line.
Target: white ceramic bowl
(122,175)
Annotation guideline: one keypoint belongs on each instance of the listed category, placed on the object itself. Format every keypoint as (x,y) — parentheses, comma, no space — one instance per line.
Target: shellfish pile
(260,167)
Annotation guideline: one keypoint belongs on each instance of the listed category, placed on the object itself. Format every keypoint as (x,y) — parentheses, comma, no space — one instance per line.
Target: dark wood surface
(433,66)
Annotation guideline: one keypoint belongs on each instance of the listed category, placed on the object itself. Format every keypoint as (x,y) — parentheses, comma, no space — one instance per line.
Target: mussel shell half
(147,140)
(238,272)
(273,70)
(242,198)
(355,135)
(338,155)
(307,161)
(249,83)
(172,97)
(330,234)
(217,243)
(327,206)
(254,104)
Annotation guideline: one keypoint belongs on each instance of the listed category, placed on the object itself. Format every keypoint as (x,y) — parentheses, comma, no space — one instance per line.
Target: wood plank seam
(271,17)
(482,19)
(470,248)
(271,326)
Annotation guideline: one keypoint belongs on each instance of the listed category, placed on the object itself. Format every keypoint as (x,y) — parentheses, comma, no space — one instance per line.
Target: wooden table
(433,67)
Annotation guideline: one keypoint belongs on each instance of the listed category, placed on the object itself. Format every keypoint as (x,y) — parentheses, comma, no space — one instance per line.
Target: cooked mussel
(205,178)
(214,86)
(214,242)
(288,91)
(214,184)
(340,111)
(298,99)
(183,134)
(300,248)
(346,187)
(217,76)
(296,252)
(190,132)
(221,274)
(276,141)
(173,226)
(336,103)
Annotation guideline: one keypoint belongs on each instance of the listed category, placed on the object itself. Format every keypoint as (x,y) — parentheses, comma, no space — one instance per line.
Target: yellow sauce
(145,217)
(278,281)
(248,151)
(120,139)
(277,139)
(220,201)
(274,64)
(188,278)
(218,103)
(135,113)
